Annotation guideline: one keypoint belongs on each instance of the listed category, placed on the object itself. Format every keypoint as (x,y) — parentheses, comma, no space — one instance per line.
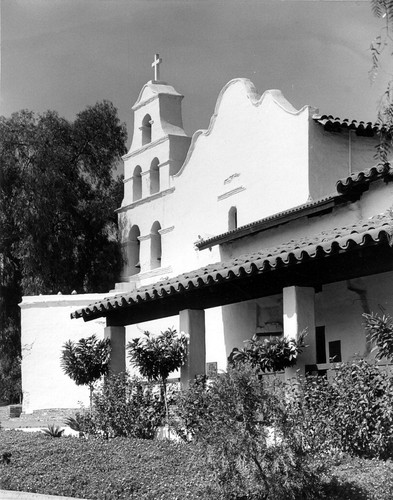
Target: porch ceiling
(342,253)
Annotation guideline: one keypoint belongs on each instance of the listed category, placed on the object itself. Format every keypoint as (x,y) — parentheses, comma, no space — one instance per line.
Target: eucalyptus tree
(381,51)
(58,195)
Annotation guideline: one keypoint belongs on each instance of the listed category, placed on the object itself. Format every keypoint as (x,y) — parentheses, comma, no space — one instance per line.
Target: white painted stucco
(46,326)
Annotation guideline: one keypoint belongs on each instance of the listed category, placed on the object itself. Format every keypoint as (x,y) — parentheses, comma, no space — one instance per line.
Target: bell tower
(159,144)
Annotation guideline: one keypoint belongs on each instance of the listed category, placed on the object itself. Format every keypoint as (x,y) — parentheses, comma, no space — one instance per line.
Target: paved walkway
(21,495)
(39,419)
(17,423)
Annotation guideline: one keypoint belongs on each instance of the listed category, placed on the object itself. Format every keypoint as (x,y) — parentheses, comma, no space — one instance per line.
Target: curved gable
(244,89)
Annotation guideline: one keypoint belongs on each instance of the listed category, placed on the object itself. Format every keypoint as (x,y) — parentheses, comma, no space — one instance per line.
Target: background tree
(58,193)
(380,46)
(86,361)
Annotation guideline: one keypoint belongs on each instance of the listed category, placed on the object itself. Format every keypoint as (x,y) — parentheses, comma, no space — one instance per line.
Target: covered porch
(296,272)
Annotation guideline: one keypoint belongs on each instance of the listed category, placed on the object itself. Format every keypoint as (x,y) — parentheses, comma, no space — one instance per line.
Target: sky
(65,55)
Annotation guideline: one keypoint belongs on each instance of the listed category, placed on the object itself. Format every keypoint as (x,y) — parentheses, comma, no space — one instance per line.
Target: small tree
(86,361)
(270,355)
(156,356)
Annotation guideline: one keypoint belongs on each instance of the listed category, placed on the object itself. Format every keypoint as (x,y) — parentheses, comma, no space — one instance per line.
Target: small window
(335,351)
(154,176)
(232,219)
(137,184)
(146,130)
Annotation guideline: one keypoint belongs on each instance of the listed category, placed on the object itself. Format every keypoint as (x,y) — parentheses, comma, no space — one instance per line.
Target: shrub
(352,412)
(363,409)
(308,417)
(83,423)
(269,355)
(53,431)
(234,418)
(380,330)
(126,406)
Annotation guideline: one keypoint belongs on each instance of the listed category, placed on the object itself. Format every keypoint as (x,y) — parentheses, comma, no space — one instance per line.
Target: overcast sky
(68,54)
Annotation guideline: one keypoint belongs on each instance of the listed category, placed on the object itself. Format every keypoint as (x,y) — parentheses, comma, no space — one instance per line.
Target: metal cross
(156,65)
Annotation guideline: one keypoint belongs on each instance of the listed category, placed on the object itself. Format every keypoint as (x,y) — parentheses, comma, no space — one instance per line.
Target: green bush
(308,419)
(125,406)
(352,412)
(53,431)
(273,354)
(238,422)
(83,423)
(380,331)
(363,409)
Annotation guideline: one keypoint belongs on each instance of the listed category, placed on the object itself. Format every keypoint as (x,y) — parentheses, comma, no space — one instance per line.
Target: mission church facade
(270,222)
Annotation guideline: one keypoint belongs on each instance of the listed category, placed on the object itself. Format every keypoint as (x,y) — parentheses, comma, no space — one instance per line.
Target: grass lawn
(146,470)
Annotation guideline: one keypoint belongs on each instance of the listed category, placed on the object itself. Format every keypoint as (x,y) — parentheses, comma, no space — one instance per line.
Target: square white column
(164,175)
(117,336)
(145,252)
(299,316)
(145,183)
(192,321)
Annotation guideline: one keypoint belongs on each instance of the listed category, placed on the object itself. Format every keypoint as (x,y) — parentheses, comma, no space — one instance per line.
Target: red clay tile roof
(376,230)
(332,124)
(364,177)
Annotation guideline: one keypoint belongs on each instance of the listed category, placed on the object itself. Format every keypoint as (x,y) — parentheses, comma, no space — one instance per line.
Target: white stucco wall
(256,148)
(46,326)
(259,154)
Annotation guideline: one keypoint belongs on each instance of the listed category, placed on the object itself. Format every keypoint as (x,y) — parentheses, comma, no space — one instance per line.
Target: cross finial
(156,65)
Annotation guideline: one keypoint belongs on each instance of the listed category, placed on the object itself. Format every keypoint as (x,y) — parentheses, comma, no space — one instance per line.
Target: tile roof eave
(271,221)
(374,231)
(364,177)
(361,128)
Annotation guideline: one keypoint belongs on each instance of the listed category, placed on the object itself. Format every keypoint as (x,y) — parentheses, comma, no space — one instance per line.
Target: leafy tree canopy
(156,356)
(269,355)
(380,46)
(58,193)
(57,200)
(86,361)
